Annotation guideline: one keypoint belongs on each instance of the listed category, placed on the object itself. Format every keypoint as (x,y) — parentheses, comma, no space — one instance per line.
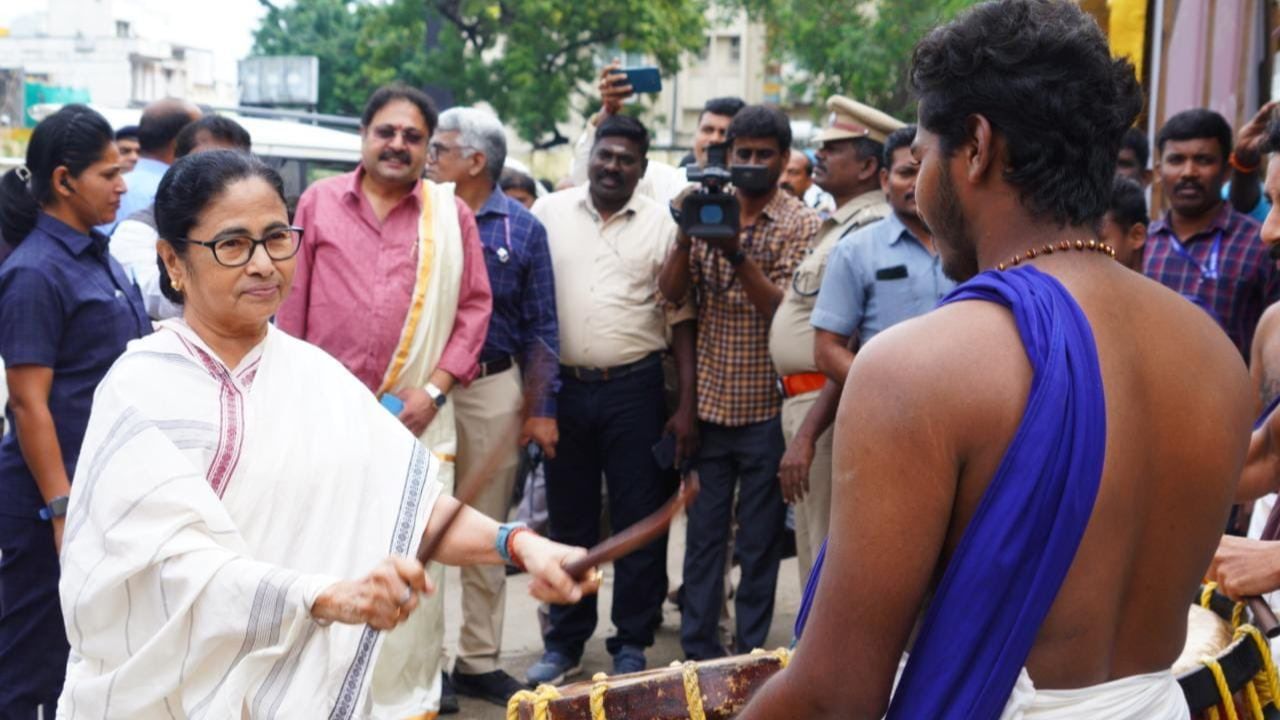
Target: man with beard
(850,156)
(740,283)
(1202,248)
(887,272)
(1050,557)
(391,281)
(607,245)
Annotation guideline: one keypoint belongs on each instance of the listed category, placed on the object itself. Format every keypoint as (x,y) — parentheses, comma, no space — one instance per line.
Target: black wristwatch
(735,258)
(56,508)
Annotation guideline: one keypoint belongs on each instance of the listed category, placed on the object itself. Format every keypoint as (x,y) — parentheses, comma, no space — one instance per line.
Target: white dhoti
(1154,696)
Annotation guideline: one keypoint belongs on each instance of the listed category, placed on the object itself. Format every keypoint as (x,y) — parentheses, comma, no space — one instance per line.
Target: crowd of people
(959,360)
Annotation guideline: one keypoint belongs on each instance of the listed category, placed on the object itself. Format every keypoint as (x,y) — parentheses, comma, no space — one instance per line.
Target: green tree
(860,48)
(529,59)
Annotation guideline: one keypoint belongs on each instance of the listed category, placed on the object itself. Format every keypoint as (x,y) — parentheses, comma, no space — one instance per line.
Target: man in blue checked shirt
(1202,248)
(469,148)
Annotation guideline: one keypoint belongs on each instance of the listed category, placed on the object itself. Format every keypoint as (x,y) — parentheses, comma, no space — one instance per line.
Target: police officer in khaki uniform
(849,158)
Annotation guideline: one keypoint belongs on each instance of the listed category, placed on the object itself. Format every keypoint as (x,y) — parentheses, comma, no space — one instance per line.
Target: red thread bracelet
(1234,161)
(511,546)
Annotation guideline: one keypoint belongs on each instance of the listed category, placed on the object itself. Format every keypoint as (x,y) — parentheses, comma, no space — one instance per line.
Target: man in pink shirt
(391,281)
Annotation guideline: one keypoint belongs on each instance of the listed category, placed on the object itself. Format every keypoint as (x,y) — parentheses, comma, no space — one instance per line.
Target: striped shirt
(1231,249)
(737,384)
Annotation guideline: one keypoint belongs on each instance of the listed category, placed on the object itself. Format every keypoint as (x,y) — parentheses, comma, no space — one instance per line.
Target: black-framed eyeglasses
(281,243)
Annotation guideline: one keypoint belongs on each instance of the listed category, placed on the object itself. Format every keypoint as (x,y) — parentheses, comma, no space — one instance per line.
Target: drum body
(712,689)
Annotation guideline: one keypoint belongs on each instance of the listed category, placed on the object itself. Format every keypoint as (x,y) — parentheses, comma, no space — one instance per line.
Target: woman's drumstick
(470,487)
(638,535)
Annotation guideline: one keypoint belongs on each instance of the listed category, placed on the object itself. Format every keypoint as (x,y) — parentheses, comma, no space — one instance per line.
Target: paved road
(522,642)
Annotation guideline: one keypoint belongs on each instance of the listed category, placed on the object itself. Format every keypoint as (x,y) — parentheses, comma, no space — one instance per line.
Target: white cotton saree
(210,508)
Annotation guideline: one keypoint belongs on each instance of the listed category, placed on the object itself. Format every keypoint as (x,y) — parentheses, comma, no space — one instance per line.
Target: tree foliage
(526,58)
(858,48)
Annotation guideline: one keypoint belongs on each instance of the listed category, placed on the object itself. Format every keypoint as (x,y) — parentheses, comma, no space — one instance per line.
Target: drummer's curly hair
(1041,73)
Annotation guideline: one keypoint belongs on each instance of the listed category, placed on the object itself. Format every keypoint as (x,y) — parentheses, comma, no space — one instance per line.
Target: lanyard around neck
(1209,268)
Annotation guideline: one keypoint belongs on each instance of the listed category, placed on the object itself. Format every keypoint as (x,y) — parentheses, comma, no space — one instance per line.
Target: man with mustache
(740,282)
(881,275)
(992,516)
(849,167)
(607,245)
(1202,248)
(797,179)
(391,281)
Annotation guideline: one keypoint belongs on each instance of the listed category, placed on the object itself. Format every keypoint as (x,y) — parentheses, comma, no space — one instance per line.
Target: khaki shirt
(606,275)
(790,334)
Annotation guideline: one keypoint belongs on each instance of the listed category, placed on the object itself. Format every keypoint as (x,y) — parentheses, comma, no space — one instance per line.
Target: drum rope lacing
(598,690)
(539,699)
(1270,693)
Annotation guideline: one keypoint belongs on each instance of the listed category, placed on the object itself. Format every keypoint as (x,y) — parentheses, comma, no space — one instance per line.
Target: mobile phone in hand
(392,403)
(643,79)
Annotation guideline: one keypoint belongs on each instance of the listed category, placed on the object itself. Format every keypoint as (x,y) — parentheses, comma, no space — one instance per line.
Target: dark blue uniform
(65,304)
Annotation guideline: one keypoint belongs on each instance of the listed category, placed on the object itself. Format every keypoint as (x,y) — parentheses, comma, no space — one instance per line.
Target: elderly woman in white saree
(242,528)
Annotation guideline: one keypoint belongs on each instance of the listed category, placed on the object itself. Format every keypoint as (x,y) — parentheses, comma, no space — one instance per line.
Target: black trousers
(33,641)
(609,427)
(747,458)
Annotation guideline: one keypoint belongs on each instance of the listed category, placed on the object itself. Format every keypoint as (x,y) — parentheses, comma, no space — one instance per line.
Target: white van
(301,153)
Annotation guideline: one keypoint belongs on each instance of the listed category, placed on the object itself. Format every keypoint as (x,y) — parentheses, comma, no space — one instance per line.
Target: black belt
(493,367)
(595,375)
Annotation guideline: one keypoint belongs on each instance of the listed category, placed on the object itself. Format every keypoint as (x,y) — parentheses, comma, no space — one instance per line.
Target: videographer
(739,278)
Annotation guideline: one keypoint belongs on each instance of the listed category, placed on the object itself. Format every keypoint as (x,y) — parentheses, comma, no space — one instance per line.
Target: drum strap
(1266,676)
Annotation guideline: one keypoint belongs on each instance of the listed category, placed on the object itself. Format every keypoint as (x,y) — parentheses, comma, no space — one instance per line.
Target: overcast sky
(223,26)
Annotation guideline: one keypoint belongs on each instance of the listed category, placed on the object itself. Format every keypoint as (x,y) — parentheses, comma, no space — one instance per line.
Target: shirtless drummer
(1052,556)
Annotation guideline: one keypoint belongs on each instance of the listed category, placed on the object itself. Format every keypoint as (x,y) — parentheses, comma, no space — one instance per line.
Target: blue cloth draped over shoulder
(1015,553)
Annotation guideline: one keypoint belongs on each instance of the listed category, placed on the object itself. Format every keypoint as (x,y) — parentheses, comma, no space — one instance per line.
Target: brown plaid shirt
(736,381)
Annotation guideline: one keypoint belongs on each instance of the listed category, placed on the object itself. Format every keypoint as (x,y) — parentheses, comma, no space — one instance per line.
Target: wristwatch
(56,508)
(502,541)
(438,398)
(735,258)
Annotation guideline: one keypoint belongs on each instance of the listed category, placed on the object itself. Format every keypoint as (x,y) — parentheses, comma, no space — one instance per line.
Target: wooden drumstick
(466,491)
(638,535)
(470,487)
(1263,617)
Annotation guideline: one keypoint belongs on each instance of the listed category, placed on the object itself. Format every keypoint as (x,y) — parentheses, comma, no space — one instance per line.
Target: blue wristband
(500,544)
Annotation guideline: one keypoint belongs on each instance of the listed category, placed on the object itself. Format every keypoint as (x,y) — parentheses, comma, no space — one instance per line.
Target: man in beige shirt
(849,159)
(607,245)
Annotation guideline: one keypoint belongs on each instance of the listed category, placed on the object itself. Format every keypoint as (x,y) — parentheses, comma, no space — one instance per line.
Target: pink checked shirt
(355,277)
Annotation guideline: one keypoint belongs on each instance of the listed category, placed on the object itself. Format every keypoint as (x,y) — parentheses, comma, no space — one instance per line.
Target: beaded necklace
(1063,246)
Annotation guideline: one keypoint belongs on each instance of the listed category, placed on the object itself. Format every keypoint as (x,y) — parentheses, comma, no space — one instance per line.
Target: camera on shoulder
(711,213)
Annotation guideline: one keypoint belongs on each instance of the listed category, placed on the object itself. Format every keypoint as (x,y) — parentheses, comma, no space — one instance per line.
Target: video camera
(711,213)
